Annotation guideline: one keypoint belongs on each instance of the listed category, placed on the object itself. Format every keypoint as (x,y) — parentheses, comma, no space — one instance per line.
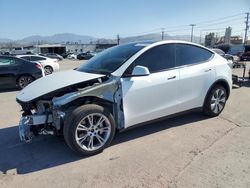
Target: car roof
(157,43)
(30,55)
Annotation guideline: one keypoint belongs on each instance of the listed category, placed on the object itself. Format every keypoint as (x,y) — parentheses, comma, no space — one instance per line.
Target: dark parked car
(84,56)
(245,56)
(18,72)
(53,56)
(223,54)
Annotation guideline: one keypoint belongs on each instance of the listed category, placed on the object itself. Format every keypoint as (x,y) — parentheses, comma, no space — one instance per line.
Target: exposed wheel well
(219,82)
(49,67)
(91,100)
(224,84)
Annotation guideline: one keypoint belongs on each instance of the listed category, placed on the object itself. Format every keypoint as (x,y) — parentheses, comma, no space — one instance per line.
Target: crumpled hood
(52,83)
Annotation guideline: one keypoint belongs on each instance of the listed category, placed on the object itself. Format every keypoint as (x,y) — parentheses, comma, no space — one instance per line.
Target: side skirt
(199,109)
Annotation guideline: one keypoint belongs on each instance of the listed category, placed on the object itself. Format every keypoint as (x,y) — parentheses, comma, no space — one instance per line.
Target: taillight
(38,66)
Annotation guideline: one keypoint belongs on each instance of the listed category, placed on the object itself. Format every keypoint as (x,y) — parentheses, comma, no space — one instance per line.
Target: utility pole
(162,33)
(192,31)
(118,39)
(247,27)
(200,36)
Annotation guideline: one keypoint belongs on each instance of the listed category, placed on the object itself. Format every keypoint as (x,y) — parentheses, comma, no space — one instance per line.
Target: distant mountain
(2,40)
(58,38)
(69,37)
(157,37)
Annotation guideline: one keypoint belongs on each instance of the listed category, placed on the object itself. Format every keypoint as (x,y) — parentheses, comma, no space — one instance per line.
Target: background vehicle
(18,72)
(84,56)
(245,56)
(72,56)
(223,54)
(49,65)
(65,54)
(53,56)
(230,58)
(123,86)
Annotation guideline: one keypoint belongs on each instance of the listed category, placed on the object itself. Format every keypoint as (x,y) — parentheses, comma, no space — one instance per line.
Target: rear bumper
(56,67)
(39,74)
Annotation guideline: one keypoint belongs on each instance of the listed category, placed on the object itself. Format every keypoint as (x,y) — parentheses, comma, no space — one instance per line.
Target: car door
(196,75)
(150,97)
(8,71)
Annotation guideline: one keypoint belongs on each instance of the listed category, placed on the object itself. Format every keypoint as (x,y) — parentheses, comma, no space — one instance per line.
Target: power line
(218,23)
(200,25)
(214,29)
(223,18)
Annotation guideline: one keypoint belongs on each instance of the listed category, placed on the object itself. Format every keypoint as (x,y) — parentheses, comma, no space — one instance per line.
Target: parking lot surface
(186,151)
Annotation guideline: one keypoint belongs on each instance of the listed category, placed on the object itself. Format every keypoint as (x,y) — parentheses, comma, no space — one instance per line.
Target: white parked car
(72,56)
(50,65)
(123,86)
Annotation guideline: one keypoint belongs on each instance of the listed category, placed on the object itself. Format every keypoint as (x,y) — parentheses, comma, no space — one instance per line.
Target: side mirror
(140,71)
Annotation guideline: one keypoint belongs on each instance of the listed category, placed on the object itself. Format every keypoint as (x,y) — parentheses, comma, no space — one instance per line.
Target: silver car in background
(49,65)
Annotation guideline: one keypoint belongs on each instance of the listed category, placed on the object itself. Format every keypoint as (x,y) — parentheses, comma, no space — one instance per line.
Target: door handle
(207,70)
(171,77)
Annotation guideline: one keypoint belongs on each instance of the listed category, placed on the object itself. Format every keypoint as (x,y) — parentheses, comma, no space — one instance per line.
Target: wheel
(215,101)
(23,81)
(48,70)
(89,129)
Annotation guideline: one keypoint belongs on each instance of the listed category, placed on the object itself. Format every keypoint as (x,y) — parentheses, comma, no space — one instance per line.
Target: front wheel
(89,129)
(215,101)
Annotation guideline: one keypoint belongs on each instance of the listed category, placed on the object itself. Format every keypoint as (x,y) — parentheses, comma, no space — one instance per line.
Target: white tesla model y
(123,86)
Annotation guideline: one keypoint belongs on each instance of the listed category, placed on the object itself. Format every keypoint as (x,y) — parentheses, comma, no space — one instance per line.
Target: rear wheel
(48,70)
(215,101)
(23,81)
(89,129)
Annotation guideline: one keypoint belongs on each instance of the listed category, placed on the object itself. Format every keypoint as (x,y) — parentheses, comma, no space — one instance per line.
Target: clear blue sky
(106,18)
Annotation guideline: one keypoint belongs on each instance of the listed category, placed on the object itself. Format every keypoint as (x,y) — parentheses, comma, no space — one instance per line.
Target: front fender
(105,90)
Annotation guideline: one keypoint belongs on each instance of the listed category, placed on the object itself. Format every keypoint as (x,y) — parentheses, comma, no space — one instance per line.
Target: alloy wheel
(48,70)
(93,131)
(218,101)
(24,81)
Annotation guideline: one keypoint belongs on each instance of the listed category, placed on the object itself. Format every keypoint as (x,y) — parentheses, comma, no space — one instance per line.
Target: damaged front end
(39,119)
(47,114)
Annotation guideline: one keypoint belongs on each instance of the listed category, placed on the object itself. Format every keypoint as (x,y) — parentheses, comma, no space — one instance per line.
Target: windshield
(111,59)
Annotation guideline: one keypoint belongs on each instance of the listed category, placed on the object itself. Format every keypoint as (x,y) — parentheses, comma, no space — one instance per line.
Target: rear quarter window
(189,54)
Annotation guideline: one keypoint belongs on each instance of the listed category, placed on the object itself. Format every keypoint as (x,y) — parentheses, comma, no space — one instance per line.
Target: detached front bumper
(24,129)
(31,121)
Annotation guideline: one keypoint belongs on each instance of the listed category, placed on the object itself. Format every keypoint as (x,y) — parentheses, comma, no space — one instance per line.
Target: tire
(85,139)
(48,70)
(215,101)
(24,80)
